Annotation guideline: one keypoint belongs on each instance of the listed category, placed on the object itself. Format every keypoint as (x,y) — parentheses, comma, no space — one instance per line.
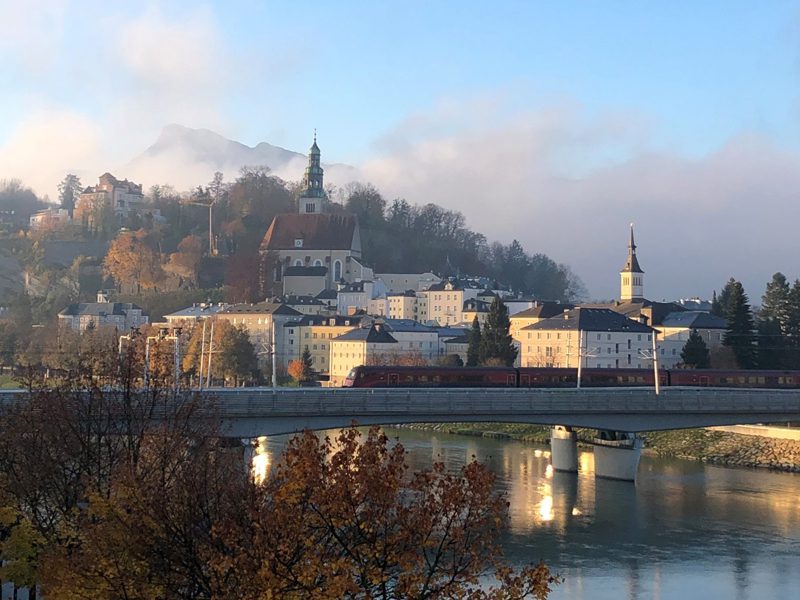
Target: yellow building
(316,333)
(361,346)
(539,312)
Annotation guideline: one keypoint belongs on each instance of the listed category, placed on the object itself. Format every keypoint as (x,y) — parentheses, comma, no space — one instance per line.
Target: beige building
(445,302)
(403,305)
(49,219)
(123,197)
(475,308)
(539,312)
(359,347)
(259,320)
(316,333)
(601,337)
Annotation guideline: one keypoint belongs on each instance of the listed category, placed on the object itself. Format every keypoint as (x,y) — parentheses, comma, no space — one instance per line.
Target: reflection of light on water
(576,512)
(548,472)
(261,460)
(546,508)
(546,453)
(537,453)
(586,460)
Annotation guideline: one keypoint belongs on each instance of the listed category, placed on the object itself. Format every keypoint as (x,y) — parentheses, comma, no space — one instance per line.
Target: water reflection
(685,531)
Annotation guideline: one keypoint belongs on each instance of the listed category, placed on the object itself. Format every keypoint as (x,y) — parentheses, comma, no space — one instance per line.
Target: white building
(91,315)
(361,346)
(603,338)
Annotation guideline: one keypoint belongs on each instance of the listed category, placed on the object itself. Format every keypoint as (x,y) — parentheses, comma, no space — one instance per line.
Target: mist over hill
(184,158)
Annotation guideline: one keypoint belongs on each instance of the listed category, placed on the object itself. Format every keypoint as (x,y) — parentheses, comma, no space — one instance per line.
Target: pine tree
(775,301)
(740,326)
(720,304)
(792,330)
(770,345)
(497,346)
(474,348)
(695,354)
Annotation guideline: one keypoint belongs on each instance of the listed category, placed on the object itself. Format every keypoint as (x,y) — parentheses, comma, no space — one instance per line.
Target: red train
(455,377)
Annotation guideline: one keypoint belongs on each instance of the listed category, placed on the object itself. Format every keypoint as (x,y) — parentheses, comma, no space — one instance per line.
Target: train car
(568,378)
(450,377)
(739,379)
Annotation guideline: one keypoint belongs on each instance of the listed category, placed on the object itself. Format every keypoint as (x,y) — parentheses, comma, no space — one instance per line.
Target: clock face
(298,243)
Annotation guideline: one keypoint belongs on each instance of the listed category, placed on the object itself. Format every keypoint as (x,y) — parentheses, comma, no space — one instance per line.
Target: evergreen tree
(496,343)
(775,301)
(474,348)
(721,304)
(68,191)
(770,346)
(695,354)
(792,329)
(740,326)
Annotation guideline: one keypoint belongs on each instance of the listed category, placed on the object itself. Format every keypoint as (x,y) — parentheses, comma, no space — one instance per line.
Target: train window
(761,380)
(423,378)
(408,378)
(742,380)
(436,379)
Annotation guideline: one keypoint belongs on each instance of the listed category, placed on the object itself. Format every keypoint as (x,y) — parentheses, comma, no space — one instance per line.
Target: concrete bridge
(617,413)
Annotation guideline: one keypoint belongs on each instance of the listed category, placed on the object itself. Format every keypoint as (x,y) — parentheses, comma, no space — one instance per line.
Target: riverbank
(716,447)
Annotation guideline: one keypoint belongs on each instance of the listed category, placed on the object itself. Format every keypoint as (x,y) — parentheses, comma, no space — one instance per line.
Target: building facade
(124,316)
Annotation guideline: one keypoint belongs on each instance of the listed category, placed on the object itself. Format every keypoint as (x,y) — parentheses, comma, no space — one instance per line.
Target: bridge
(618,413)
(252,412)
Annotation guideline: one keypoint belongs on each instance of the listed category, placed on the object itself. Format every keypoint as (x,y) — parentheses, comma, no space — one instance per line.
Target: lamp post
(164,334)
(588,353)
(212,250)
(653,355)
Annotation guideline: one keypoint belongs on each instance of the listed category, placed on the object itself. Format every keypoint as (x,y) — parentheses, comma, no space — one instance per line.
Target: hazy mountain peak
(187,157)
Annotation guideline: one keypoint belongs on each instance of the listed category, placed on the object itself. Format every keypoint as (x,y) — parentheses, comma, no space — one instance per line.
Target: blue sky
(394,86)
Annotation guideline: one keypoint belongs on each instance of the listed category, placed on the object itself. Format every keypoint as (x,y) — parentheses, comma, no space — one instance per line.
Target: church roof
(317,232)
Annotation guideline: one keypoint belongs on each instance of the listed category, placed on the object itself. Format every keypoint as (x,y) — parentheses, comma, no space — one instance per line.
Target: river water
(684,531)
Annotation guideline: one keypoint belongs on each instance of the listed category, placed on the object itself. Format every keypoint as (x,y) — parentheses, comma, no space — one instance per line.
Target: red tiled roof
(318,232)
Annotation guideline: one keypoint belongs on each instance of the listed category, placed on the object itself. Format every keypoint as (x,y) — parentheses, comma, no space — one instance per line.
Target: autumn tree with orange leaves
(133,258)
(99,500)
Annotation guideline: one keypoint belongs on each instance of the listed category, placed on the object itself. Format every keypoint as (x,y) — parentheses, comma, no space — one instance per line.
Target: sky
(555,123)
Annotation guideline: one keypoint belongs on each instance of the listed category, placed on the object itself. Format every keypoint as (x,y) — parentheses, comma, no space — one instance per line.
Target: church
(314,248)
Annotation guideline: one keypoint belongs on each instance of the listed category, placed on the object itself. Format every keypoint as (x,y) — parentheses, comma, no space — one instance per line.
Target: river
(684,531)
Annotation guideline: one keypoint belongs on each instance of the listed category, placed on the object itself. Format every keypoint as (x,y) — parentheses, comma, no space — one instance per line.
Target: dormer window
(298,243)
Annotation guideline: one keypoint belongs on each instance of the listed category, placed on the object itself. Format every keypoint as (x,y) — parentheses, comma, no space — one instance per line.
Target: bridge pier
(564,449)
(617,454)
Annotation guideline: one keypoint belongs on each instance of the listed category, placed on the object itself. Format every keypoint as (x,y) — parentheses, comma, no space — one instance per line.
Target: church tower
(631,282)
(312,199)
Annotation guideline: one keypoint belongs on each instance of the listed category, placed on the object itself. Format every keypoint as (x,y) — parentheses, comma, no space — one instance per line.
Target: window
(298,263)
(310,207)
(337,270)
(317,263)
(298,243)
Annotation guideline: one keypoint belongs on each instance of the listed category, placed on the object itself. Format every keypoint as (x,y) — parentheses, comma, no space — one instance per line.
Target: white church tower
(631,278)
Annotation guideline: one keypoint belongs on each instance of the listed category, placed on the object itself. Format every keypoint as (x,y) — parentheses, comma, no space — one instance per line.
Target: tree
(451,360)
(775,301)
(68,190)
(770,345)
(496,342)
(233,356)
(343,518)
(302,370)
(133,258)
(474,347)
(695,353)
(720,304)
(739,331)
(187,259)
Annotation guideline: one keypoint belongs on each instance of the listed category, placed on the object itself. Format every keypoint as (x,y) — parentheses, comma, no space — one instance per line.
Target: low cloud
(568,186)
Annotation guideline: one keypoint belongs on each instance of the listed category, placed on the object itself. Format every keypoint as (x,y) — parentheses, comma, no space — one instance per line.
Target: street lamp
(212,250)
(652,355)
(588,353)
(163,334)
